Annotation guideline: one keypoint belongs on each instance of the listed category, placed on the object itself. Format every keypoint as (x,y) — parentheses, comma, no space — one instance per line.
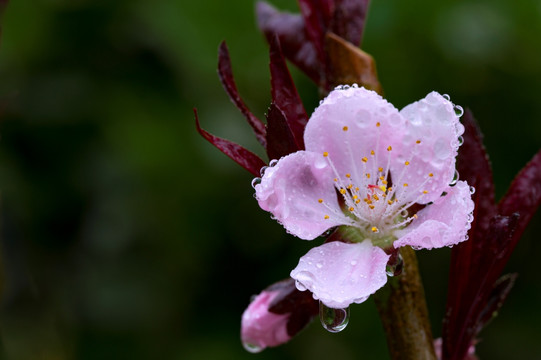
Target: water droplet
(455,179)
(459,111)
(255,182)
(252,347)
(460,140)
(300,286)
(262,170)
(333,320)
(446,97)
(273,162)
(395,265)
(404,213)
(355,86)
(472,190)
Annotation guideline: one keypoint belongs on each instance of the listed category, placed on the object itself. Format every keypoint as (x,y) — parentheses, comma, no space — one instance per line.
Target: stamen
(405,184)
(430,175)
(345,128)
(335,179)
(380,169)
(375,229)
(320,201)
(325,154)
(351,208)
(378,124)
(372,152)
(418,142)
(342,191)
(407,163)
(364,159)
(389,148)
(348,175)
(425,192)
(367,175)
(326,217)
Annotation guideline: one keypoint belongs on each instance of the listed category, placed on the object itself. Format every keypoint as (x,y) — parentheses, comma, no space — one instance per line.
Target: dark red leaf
(524,195)
(285,95)
(290,31)
(497,297)
(473,165)
(300,304)
(280,139)
(237,153)
(349,18)
(317,16)
(226,77)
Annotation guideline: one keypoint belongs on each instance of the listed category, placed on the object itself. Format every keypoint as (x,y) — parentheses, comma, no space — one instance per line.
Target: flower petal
(443,223)
(351,123)
(261,328)
(292,190)
(434,123)
(339,274)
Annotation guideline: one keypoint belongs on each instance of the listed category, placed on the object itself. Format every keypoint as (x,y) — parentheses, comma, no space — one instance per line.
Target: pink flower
(382,175)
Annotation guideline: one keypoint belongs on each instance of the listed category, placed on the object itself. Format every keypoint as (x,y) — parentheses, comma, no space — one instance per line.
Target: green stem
(403,312)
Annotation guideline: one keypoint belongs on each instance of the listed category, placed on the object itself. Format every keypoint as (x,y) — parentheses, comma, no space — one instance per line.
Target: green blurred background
(124,235)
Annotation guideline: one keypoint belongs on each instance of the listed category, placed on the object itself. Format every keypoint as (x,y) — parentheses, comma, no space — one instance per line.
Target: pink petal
(346,126)
(433,121)
(291,191)
(261,328)
(443,223)
(339,274)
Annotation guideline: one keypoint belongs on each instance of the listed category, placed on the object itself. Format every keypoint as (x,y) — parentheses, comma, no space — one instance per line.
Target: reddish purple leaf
(300,304)
(280,139)
(497,297)
(524,194)
(317,16)
(226,77)
(237,153)
(349,18)
(290,31)
(285,95)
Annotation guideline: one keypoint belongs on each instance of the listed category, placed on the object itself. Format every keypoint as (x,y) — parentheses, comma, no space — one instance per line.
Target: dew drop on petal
(333,320)
(256,182)
(460,140)
(459,111)
(395,265)
(262,170)
(273,162)
(252,347)
(300,286)
(446,97)
(404,213)
(472,190)
(455,179)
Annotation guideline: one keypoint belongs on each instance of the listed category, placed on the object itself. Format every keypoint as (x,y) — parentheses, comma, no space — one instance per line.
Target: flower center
(375,200)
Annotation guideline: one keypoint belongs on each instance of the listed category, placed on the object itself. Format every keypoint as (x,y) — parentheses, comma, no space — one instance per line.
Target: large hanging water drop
(333,320)
(252,347)
(255,182)
(459,111)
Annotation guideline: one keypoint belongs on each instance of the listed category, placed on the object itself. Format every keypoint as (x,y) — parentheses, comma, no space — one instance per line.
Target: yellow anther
(425,192)
(389,189)
(415,216)
(325,154)
(389,148)
(374,229)
(367,175)
(418,142)
(405,184)
(380,169)
(356,189)
(371,207)
(364,159)
(351,208)
(350,186)
(375,197)
(382,177)
(335,179)
(342,191)
(357,201)
(345,128)
(378,124)
(326,217)
(355,197)
(383,188)
(320,201)
(372,152)
(368,201)
(390,202)
(384,182)
(430,175)
(407,163)
(348,175)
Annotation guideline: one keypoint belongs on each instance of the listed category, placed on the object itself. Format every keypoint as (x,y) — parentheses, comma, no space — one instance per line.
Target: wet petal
(261,328)
(340,274)
(352,124)
(443,223)
(432,135)
(299,191)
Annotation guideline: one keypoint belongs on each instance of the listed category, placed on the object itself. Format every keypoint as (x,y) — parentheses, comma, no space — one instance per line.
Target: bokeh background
(124,235)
